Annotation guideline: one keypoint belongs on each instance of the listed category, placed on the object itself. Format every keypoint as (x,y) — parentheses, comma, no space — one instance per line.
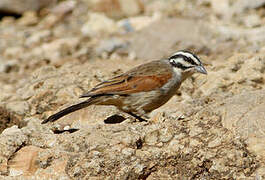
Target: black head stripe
(188,59)
(185,58)
(196,57)
(191,60)
(179,65)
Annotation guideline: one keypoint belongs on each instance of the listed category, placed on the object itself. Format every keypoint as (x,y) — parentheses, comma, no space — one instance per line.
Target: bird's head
(186,63)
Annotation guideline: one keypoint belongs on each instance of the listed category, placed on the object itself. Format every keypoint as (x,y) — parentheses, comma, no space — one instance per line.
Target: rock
(111,45)
(222,8)
(152,138)
(7,92)
(252,20)
(12,139)
(228,8)
(53,170)
(24,161)
(97,25)
(183,147)
(118,8)
(241,5)
(12,52)
(255,34)
(52,51)
(64,7)
(19,7)
(18,107)
(91,158)
(244,114)
(164,7)
(9,66)
(7,119)
(29,18)
(131,7)
(11,130)
(137,23)
(242,71)
(169,33)
(212,128)
(38,38)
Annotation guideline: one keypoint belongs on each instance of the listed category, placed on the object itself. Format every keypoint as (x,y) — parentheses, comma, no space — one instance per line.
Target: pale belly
(146,102)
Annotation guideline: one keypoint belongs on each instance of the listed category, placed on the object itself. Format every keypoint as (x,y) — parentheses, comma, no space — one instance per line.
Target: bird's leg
(137,117)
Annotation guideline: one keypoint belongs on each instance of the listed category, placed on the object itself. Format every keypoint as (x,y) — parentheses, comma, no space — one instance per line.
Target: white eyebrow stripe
(185,63)
(188,55)
(181,61)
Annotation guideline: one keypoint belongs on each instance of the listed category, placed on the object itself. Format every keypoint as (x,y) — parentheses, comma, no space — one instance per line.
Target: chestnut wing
(146,77)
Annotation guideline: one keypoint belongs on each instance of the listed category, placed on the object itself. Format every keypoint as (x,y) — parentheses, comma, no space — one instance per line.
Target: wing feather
(140,79)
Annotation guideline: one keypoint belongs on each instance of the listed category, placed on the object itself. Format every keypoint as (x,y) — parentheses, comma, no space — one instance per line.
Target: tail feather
(69,110)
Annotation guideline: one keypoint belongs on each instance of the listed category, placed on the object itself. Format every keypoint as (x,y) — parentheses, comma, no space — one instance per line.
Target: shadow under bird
(143,88)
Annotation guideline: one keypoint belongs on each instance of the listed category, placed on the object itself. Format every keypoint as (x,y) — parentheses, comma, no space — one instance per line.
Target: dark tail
(68,110)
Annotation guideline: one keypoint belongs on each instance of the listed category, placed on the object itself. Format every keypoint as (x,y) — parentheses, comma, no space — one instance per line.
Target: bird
(142,89)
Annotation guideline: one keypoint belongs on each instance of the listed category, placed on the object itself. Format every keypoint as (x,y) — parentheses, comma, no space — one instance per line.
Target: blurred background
(51,51)
(39,32)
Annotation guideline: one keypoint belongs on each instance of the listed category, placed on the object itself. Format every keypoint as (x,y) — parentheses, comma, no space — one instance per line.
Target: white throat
(177,74)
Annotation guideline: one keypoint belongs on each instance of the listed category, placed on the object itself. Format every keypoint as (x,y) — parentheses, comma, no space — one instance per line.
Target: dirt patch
(8,119)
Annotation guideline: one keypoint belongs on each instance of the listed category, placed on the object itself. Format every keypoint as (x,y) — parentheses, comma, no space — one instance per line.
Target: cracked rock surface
(213,128)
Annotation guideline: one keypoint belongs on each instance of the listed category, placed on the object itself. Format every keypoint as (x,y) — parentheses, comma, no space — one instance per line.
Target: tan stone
(17,6)
(24,161)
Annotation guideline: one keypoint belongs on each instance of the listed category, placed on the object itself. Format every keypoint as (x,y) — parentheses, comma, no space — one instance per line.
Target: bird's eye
(181,66)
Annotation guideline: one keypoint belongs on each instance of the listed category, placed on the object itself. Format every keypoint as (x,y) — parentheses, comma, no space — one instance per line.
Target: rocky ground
(52,52)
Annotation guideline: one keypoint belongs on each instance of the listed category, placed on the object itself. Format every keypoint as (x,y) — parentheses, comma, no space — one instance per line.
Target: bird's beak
(201,69)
